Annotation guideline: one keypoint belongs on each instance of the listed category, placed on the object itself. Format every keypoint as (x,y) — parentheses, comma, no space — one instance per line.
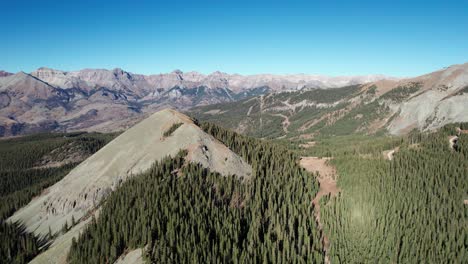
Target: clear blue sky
(401,38)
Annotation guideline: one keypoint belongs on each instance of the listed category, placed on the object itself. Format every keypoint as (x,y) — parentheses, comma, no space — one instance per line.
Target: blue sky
(401,38)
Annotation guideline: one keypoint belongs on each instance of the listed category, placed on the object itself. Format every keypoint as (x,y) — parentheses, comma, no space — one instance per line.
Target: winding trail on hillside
(285,123)
(250,110)
(327,182)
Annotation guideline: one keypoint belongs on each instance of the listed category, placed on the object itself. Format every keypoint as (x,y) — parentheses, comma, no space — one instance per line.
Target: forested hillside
(427,102)
(27,166)
(411,209)
(401,200)
(182,213)
(339,111)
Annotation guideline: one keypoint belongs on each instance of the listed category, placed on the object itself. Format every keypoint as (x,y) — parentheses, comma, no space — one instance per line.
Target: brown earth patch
(327,180)
(383,86)
(308,144)
(461,131)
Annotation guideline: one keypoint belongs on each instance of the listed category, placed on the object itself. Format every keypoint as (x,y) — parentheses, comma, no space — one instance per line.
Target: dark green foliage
(333,146)
(357,120)
(230,115)
(372,90)
(324,111)
(408,210)
(16,245)
(186,214)
(20,181)
(337,111)
(322,95)
(19,186)
(402,92)
(171,130)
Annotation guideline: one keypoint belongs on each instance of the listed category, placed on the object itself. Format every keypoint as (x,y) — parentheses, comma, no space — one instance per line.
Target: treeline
(182,213)
(21,180)
(408,210)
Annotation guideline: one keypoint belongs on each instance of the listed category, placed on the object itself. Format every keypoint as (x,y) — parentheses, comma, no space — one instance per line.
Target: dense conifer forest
(21,178)
(406,210)
(410,209)
(182,213)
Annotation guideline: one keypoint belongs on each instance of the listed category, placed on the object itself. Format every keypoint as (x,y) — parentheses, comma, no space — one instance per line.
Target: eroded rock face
(133,152)
(121,99)
(442,99)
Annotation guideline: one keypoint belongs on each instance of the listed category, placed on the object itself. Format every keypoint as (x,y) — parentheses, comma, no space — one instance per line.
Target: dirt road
(285,123)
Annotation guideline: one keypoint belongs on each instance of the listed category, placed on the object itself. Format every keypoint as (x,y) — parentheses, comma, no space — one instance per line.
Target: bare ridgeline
(79,194)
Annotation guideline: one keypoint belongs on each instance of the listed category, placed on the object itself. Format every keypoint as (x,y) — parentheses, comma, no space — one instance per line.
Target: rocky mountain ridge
(425,103)
(79,194)
(120,79)
(109,100)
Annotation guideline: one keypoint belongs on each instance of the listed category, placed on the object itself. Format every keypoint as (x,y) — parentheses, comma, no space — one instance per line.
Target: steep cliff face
(82,190)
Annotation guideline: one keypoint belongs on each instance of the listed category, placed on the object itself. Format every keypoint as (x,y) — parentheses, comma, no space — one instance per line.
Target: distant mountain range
(4,73)
(107,100)
(424,103)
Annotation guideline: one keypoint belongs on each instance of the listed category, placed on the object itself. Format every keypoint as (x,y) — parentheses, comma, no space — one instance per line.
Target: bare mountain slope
(442,99)
(108,100)
(395,106)
(82,190)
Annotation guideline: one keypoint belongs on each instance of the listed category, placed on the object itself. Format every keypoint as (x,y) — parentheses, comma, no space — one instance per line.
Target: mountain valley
(423,103)
(111,100)
(363,173)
